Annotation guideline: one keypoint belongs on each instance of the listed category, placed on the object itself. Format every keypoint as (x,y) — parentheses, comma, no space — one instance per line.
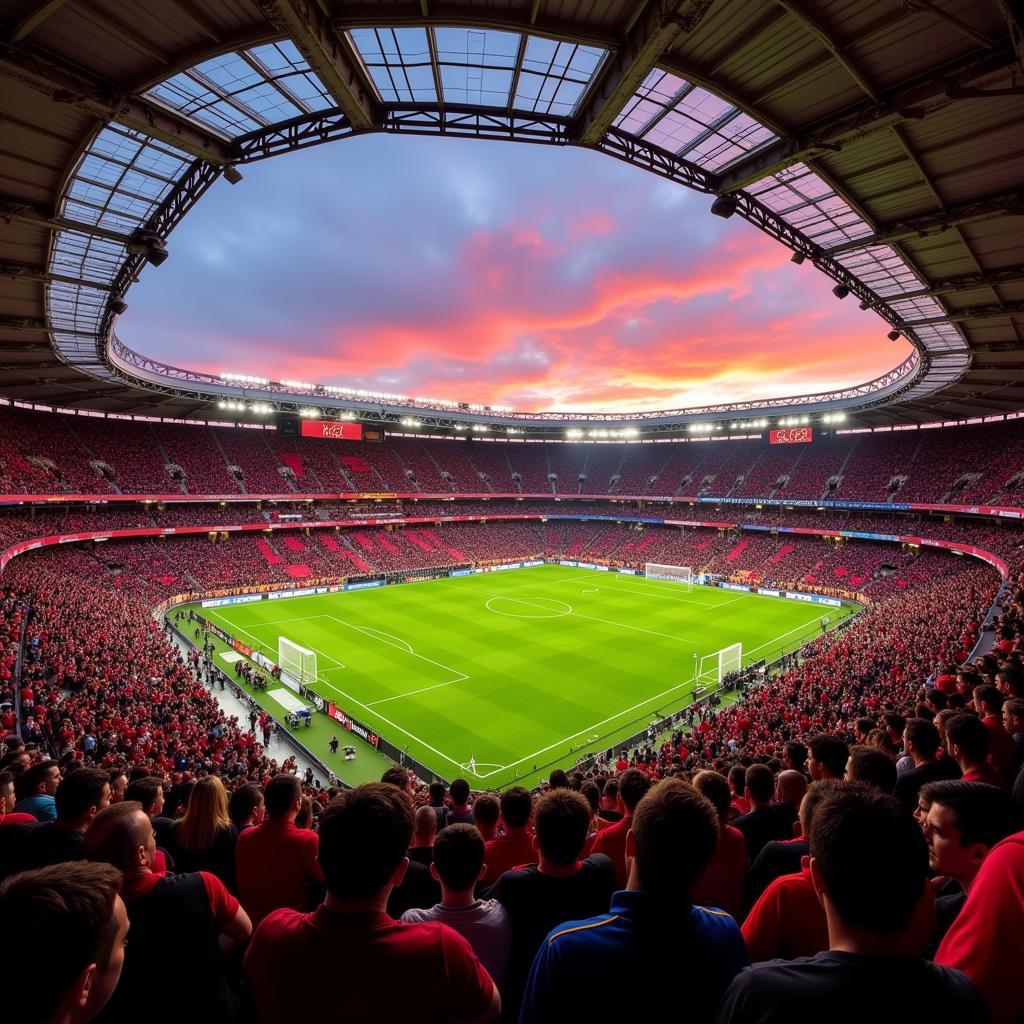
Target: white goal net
(682,574)
(298,662)
(714,667)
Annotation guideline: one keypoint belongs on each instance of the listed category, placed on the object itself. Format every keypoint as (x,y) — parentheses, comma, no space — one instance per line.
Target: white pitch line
(422,689)
(783,635)
(233,627)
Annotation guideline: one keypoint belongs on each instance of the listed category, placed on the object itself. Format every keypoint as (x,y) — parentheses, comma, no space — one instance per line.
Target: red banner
(339,716)
(333,430)
(795,435)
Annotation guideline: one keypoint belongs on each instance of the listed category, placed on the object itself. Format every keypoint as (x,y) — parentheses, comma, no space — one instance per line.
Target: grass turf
(520,670)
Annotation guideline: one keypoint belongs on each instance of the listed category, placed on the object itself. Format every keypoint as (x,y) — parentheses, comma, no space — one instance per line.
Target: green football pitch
(520,671)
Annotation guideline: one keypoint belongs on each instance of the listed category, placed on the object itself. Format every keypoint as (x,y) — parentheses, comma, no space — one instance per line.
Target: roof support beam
(967,283)
(911,100)
(33,20)
(22,323)
(66,84)
(926,224)
(652,34)
(17,211)
(28,272)
(957,316)
(328,54)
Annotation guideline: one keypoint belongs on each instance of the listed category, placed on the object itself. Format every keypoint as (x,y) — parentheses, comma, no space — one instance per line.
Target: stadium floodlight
(840,291)
(147,243)
(118,305)
(232,174)
(724,206)
(893,335)
(798,258)
(310,413)
(574,432)
(865,304)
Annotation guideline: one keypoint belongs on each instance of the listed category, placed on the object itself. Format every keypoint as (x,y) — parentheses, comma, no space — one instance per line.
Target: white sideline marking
(234,627)
(778,638)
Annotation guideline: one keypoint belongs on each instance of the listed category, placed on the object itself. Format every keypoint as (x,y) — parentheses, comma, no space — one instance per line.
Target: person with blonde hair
(204,839)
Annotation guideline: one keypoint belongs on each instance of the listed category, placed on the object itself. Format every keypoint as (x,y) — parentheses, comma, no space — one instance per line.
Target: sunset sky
(535,277)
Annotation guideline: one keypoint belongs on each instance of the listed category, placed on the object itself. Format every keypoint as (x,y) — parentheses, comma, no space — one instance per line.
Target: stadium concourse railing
(350,582)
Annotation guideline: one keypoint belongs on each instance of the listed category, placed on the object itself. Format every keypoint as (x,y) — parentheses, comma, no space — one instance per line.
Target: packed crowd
(51,453)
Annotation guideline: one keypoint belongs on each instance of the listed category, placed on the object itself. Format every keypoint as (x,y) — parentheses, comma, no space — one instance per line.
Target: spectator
(80,797)
(246,808)
(722,882)
(560,888)
(794,757)
(766,820)
(426,971)
(148,792)
(989,926)
(785,856)
(827,758)
(988,702)
(118,785)
(653,932)
(204,839)
(738,785)
(969,742)
(437,795)
(514,846)
(35,788)
(868,866)
(1013,722)
(74,913)
(424,832)
(400,777)
(633,784)
(8,816)
(790,787)
(875,768)
(964,821)
(460,812)
(189,920)
(276,863)
(458,865)
(921,741)
(486,813)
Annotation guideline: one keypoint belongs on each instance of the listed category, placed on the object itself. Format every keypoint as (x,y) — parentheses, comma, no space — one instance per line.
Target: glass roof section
(685,119)
(241,92)
(120,181)
(477,67)
(807,202)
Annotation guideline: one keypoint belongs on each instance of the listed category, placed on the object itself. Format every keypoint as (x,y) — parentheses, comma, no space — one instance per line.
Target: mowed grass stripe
(532,684)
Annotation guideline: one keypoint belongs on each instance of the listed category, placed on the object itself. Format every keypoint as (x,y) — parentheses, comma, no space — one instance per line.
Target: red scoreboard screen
(794,435)
(333,430)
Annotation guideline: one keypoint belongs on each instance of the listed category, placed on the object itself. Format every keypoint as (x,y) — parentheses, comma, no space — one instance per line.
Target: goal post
(298,662)
(682,574)
(716,666)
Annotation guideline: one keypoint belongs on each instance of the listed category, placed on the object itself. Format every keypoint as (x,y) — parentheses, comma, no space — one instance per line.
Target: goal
(298,662)
(714,667)
(681,574)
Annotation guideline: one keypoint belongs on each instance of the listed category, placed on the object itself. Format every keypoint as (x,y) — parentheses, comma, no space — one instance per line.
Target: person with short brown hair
(653,932)
(74,913)
(421,972)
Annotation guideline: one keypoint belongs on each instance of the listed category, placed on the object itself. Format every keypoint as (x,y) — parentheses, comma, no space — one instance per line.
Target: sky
(504,274)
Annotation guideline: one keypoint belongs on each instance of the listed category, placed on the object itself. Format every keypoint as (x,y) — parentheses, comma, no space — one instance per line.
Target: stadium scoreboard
(791,435)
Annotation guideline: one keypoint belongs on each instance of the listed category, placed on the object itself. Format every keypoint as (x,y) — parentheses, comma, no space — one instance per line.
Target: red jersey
(989,927)
(611,841)
(721,885)
(787,921)
(507,852)
(378,968)
(275,862)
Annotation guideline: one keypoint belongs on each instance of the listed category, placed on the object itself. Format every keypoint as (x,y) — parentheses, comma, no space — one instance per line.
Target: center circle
(529,608)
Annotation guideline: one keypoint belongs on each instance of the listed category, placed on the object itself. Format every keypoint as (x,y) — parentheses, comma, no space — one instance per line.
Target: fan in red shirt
(722,883)
(611,841)
(419,972)
(275,862)
(514,847)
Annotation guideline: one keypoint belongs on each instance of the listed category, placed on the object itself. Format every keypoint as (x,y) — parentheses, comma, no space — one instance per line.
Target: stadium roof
(883,142)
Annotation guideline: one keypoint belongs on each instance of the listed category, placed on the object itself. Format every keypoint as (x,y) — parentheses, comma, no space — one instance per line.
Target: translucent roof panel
(554,75)
(882,269)
(810,204)
(477,67)
(240,92)
(685,119)
(399,62)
